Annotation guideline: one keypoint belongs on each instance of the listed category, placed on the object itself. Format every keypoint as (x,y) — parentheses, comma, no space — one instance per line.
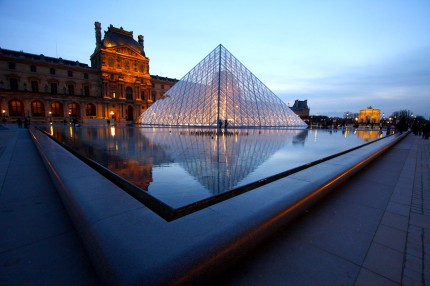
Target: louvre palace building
(117,85)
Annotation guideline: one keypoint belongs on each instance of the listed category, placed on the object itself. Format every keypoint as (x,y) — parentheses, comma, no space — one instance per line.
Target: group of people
(421,129)
(26,122)
(220,124)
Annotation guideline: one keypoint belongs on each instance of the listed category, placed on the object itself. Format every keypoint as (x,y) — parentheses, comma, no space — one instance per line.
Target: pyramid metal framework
(217,89)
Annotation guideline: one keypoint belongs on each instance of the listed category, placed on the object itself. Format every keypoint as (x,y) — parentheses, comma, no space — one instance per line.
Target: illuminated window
(73,109)
(57,109)
(16,108)
(37,108)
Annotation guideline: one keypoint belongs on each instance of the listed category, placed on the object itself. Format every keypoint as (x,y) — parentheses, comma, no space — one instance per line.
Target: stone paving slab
(38,244)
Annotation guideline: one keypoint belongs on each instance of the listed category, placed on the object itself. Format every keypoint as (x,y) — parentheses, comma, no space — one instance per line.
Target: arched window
(37,109)
(73,109)
(57,109)
(129,93)
(16,108)
(90,109)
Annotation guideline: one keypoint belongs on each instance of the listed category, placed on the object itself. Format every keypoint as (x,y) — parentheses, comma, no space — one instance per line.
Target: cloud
(402,82)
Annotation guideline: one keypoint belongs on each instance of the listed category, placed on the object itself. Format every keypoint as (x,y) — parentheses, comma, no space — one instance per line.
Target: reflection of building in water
(300,138)
(367,135)
(220,88)
(369,116)
(219,161)
(124,152)
(302,109)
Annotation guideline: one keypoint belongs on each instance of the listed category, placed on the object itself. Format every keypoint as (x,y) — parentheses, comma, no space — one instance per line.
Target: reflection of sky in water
(182,166)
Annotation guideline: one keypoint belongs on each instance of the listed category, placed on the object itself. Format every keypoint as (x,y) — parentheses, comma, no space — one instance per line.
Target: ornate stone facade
(369,116)
(116,86)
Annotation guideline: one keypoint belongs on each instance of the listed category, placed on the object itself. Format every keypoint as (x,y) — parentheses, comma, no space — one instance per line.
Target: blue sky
(339,55)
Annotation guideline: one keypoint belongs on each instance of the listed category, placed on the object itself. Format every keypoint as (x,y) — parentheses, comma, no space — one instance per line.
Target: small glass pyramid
(220,89)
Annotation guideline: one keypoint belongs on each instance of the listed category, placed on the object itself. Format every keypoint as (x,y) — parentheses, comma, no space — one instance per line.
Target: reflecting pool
(180,166)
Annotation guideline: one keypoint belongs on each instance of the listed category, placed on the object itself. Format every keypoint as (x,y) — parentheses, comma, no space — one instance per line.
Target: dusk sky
(339,55)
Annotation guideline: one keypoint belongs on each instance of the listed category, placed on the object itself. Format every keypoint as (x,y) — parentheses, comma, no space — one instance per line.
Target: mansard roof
(17,55)
(120,37)
(300,105)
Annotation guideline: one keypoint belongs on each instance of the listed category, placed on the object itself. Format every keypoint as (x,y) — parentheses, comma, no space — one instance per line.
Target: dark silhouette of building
(302,109)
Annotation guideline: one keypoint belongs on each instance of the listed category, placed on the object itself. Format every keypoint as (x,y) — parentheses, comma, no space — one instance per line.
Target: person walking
(426,131)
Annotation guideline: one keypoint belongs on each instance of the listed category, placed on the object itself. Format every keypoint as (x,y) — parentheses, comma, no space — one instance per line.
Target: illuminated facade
(117,85)
(220,89)
(369,116)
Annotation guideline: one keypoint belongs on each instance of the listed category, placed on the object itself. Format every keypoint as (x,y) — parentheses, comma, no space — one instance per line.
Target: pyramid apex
(221,88)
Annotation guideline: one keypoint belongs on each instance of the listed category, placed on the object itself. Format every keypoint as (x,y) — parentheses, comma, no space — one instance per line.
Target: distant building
(369,116)
(301,108)
(118,84)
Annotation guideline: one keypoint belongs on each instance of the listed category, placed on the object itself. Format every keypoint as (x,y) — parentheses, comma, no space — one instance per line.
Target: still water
(180,166)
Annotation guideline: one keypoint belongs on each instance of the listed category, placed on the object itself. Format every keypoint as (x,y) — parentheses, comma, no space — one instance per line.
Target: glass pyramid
(217,89)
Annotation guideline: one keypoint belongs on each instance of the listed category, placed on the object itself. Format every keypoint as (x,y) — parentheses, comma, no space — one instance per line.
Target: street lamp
(4,115)
(50,117)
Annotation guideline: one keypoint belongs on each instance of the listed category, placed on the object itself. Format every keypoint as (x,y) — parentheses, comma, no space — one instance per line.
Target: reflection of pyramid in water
(219,162)
(220,88)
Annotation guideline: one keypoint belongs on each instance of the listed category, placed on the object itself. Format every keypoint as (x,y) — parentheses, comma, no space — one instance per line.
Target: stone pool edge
(130,245)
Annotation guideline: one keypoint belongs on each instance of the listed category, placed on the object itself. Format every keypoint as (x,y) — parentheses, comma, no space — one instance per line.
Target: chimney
(140,41)
(98,28)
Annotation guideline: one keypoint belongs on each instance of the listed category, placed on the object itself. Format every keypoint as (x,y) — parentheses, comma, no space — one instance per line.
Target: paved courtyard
(373,230)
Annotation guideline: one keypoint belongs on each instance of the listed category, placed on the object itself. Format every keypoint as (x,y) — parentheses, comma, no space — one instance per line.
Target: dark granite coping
(131,245)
